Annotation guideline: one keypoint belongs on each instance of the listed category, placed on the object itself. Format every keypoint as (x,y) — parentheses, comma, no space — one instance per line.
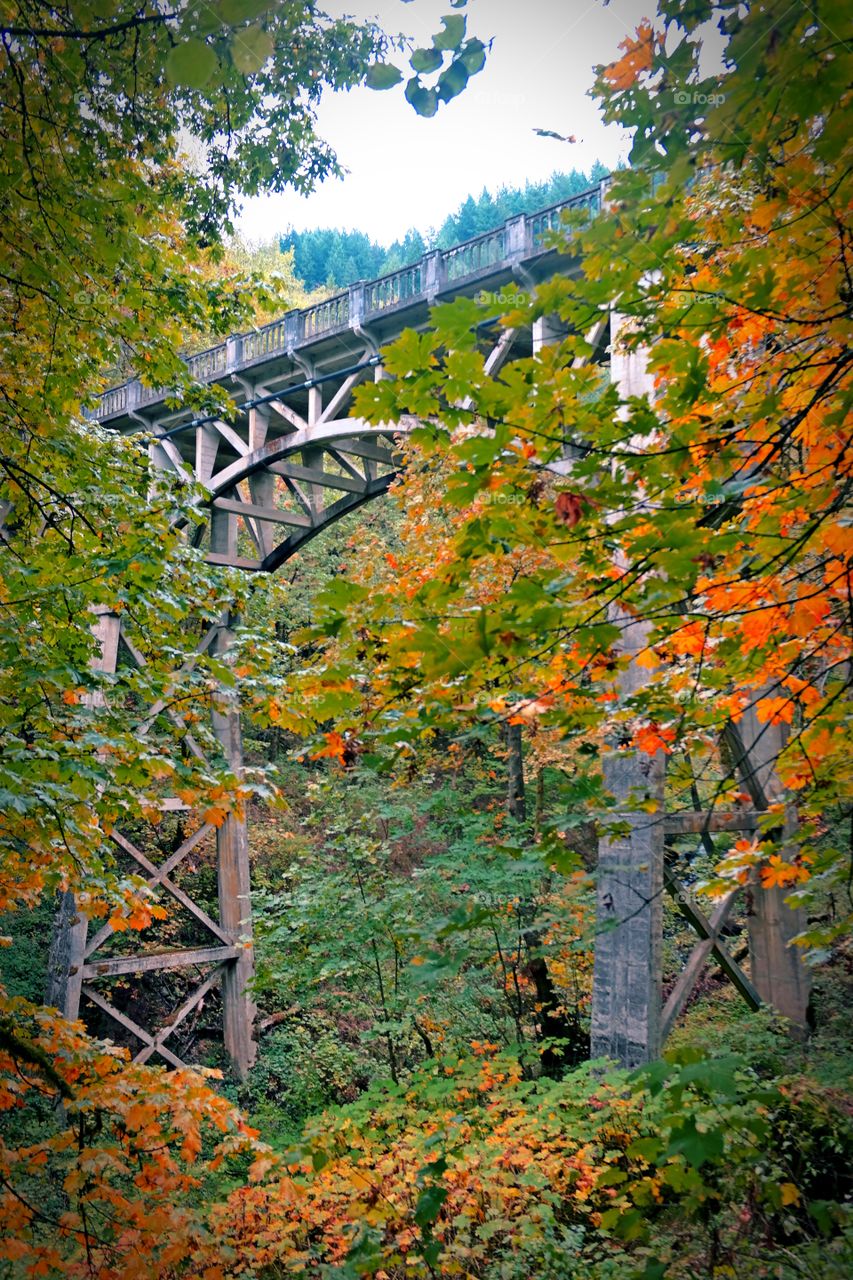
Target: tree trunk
(514,772)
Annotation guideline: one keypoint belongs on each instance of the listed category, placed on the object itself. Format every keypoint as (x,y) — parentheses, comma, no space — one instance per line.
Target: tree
(112,241)
(712,510)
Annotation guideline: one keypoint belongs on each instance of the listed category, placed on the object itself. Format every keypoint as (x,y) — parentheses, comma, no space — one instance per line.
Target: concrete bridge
(285,466)
(291,461)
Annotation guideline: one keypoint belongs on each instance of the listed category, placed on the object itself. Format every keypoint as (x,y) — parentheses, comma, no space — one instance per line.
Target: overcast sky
(406,171)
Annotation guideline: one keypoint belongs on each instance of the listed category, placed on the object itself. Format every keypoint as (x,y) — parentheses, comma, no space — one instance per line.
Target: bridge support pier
(67,957)
(626,985)
(235,913)
(71,928)
(626,997)
(780,976)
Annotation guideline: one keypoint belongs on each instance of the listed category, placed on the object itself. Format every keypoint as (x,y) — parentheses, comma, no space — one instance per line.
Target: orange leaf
(569,508)
(637,58)
(651,738)
(775,710)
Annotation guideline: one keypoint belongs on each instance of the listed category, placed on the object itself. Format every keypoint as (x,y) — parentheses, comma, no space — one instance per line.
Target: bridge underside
(288,461)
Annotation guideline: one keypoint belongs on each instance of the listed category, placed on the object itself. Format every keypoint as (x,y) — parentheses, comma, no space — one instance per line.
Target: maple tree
(714,509)
(115,262)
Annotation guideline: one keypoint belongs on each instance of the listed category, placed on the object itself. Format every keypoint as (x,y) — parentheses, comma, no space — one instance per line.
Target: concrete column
(233,352)
(627,368)
(70,930)
(235,911)
(66,958)
(433,274)
(223,533)
(626,994)
(516,237)
(356,304)
(206,448)
(626,990)
(292,330)
(547,331)
(778,971)
(262,483)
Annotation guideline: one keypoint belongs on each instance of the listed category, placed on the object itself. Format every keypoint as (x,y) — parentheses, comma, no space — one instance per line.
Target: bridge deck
(512,253)
(287,460)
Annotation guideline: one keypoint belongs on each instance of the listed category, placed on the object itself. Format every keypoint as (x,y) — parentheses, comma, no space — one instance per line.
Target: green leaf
(236,11)
(426,60)
(473,56)
(425,101)
(250,49)
(694,1145)
(452,81)
(191,64)
(453,34)
(429,1205)
(382,75)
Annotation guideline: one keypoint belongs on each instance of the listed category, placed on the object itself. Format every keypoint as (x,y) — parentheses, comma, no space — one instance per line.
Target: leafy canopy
(713,508)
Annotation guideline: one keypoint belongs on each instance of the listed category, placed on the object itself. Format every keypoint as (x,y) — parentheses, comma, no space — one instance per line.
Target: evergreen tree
(332,257)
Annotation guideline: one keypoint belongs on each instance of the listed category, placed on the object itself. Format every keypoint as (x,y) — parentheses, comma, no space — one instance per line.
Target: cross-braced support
(78,960)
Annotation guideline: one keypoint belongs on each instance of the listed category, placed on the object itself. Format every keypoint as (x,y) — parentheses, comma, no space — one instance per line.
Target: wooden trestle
(289,464)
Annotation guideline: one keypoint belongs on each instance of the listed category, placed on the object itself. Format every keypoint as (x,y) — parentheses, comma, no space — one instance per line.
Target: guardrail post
(292,330)
(356,304)
(233,352)
(517,237)
(434,275)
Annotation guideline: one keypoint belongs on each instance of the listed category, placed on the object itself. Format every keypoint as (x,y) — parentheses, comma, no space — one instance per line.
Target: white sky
(406,171)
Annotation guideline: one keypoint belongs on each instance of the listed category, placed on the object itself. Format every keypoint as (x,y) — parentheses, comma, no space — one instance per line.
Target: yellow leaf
(790,1194)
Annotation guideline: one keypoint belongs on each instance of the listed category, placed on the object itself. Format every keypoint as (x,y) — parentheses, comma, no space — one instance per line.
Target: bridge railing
(113,401)
(475,255)
(539,224)
(207,364)
(389,291)
(517,239)
(266,341)
(333,313)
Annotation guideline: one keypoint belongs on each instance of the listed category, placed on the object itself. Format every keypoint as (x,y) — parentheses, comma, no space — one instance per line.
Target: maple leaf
(637,57)
(778,710)
(335,748)
(778,873)
(651,738)
(569,508)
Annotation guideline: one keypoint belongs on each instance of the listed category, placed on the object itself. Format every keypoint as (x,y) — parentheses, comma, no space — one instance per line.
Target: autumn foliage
(710,507)
(548,512)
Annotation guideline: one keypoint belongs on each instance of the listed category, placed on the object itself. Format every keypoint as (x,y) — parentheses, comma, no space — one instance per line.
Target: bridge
(285,465)
(291,462)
